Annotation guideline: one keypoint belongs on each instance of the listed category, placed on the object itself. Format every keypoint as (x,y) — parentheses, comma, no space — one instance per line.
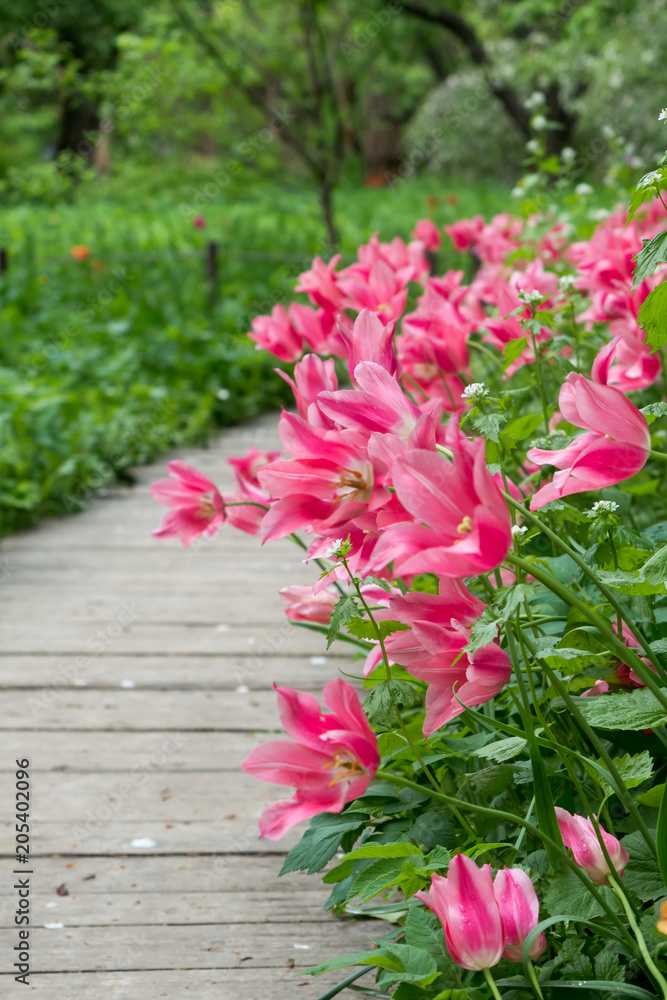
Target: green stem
(655,972)
(659,455)
(530,969)
(606,593)
(540,382)
(625,653)
(500,815)
(491,984)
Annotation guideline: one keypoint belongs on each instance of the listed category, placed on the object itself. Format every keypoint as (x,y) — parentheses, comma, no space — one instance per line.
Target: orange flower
(80,251)
(661,925)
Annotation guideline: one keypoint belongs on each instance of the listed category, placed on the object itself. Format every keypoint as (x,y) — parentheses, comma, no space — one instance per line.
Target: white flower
(602,507)
(517,192)
(566,282)
(539,123)
(335,549)
(223,393)
(583,190)
(533,146)
(662,117)
(567,154)
(475,392)
(535,100)
(530,297)
(518,530)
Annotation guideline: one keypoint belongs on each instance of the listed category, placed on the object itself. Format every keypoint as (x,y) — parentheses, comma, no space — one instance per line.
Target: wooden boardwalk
(136,675)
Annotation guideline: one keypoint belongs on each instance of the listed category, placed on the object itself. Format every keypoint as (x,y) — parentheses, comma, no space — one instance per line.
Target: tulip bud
(465,905)
(519,912)
(579,835)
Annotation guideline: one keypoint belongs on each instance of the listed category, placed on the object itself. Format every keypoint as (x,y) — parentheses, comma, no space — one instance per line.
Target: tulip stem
(530,970)
(655,972)
(499,814)
(491,984)
(604,590)
(659,455)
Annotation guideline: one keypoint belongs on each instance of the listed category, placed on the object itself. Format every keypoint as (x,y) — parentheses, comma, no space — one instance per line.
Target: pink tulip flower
(627,363)
(519,911)
(465,905)
(197,505)
(303,605)
(615,448)
(429,234)
(276,334)
(199,222)
(332,760)
(579,835)
(320,283)
(466,527)
(247,466)
(370,340)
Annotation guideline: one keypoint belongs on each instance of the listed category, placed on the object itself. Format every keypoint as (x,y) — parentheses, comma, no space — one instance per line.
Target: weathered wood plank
(223,984)
(215,671)
(246,946)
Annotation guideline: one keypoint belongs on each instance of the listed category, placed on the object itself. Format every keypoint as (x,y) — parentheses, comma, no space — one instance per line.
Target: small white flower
(475,392)
(535,100)
(583,190)
(566,282)
(335,550)
(223,393)
(533,146)
(530,297)
(518,530)
(662,117)
(517,192)
(539,123)
(602,507)
(567,154)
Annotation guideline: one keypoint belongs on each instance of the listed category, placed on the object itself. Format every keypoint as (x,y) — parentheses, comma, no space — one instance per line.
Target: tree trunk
(78,118)
(326,203)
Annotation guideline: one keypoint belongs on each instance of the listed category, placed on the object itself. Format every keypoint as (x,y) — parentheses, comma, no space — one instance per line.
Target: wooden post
(4,260)
(211,270)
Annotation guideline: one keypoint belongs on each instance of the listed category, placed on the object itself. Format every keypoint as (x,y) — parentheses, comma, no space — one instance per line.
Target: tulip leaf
(345,609)
(653,317)
(661,837)
(628,710)
(567,895)
(642,873)
(653,253)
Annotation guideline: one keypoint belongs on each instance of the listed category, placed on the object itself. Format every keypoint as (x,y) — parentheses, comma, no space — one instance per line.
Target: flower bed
(499,799)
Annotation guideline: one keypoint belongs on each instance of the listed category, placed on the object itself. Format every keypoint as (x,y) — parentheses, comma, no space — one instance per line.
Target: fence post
(211,271)
(4,260)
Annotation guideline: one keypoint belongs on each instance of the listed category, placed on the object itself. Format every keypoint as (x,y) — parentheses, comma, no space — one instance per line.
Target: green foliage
(383,700)
(632,710)
(653,253)
(346,608)
(362,628)
(653,316)
(565,895)
(642,874)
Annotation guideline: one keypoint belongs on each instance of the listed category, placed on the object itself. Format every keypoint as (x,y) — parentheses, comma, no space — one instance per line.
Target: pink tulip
(302,605)
(197,505)
(370,340)
(627,363)
(519,912)
(332,760)
(579,835)
(247,466)
(615,448)
(465,233)
(465,905)
(429,234)
(276,334)
(199,222)
(321,284)
(466,527)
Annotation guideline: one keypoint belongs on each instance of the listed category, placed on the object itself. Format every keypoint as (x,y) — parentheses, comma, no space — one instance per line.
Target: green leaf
(655,569)
(631,710)
(354,958)
(653,253)
(363,628)
(633,769)
(607,966)
(399,850)
(321,841)
(381,875)
(653,797)
(346,607)
(381,703)
(653,316)
(521,428)
(416,965)
(378,583)
(661,838)
(631,583)
(512,351)
(503,749)
(488,425)
(483,631)
(642,873)
(423,930)
(566,894)
(653,411)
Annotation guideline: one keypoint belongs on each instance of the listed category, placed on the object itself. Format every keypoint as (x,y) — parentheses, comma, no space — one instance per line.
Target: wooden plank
(281,983)
(212,672)
(247,946)
(148,710)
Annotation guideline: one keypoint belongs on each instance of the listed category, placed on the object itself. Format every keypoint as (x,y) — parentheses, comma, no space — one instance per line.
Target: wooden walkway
(136,675)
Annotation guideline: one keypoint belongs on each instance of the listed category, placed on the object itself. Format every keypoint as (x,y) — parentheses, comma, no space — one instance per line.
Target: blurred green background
(132,135)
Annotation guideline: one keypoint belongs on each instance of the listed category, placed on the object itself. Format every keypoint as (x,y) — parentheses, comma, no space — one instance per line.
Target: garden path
(136,675)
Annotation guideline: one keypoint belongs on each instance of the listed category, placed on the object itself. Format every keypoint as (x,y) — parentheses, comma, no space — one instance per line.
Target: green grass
(109,361)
